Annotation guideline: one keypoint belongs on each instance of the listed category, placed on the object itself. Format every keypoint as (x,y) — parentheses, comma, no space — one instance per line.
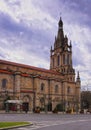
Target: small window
(4,83)
(70,78)
(58,60)
(63,58)
(68,90)
(42,100)
(42,87)
(53,62)
(56,89)
(68,58)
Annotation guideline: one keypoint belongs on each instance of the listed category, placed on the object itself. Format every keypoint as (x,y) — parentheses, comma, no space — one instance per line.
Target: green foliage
(42,109)
(60,107)
(12,124)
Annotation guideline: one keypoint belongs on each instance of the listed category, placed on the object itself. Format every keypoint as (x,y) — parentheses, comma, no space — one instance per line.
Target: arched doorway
(49,106)
(26,103)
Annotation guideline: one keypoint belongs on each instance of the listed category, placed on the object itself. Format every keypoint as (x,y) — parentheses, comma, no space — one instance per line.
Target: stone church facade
(43,88)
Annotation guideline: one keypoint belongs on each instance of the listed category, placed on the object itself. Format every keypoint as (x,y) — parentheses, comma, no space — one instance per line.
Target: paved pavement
(57,125)
(50,121)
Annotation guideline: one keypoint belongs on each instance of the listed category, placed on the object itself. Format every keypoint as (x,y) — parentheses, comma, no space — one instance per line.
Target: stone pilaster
(17,84)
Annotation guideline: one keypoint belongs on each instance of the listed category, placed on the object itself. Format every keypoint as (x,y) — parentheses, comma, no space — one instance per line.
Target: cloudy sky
(28,28)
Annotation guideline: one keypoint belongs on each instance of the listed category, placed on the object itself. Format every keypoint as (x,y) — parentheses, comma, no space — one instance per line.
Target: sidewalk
(31,112)
(14,112)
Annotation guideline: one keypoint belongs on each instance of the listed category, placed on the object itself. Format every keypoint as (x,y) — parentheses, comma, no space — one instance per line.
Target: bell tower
(61,53)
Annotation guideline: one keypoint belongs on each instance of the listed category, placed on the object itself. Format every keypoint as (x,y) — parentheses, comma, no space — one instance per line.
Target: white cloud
(27,13)
(80,36)
(33,16)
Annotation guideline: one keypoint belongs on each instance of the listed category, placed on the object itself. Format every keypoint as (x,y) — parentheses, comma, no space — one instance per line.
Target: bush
(42,109)
(81,111)
(55,110)
(68,111)
(60,107)
(37,110)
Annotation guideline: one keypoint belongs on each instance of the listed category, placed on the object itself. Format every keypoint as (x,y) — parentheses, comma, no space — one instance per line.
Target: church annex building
(56,88)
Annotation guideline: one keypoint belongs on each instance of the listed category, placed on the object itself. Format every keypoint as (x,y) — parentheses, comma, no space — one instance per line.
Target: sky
(28,29)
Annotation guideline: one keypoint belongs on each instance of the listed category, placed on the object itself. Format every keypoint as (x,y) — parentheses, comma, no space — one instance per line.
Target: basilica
(51,89)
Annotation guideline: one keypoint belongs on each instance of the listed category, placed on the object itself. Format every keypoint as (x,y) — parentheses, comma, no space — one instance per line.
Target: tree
(86,99)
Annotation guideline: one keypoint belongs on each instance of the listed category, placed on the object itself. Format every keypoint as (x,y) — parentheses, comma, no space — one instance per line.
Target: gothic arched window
(68,90)
(56,89)
(42,87)
(68,59)
(63,58)
(58,60)
(53,62)
(4,83)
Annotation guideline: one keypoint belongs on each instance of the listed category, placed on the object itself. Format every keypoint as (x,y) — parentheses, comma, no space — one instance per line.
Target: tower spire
(61,54)
(60,35)
(60,23)
(78,77)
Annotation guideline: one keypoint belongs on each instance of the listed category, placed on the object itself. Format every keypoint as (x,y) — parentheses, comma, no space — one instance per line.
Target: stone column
(17,84)
(64,94)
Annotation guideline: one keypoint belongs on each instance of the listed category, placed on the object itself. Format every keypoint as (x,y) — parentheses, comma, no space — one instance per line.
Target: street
(51,121)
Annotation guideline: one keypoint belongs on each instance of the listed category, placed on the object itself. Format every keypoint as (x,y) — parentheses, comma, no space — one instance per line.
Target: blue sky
(28,29)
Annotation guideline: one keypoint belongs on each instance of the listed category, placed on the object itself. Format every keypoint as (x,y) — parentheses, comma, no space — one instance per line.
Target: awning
(14,101)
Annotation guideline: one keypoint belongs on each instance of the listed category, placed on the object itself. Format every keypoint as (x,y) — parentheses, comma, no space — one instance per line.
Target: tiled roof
(29,67)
